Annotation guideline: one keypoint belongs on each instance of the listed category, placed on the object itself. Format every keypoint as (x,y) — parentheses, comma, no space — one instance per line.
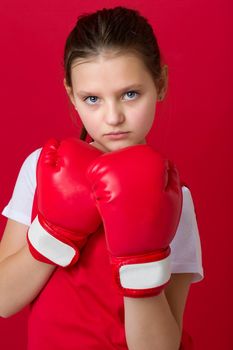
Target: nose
(114,114)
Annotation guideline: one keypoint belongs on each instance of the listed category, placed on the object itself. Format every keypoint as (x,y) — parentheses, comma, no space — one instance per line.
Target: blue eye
(131,94)
(91,99)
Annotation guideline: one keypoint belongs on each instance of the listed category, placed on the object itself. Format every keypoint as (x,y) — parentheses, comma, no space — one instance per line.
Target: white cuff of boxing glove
(145,275)
(50,247)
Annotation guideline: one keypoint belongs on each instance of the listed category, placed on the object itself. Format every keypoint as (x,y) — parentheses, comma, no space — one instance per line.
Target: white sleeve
(19,207)
(186,255)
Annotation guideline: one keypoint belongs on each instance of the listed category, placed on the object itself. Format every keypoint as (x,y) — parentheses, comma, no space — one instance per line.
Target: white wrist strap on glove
(145,275)
(49,246)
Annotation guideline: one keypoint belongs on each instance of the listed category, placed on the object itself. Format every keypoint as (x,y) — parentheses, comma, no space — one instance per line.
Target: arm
(67,215)
(156,322)
(21,276)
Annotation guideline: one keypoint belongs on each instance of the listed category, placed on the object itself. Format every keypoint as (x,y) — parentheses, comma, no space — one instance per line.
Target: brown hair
(118,29)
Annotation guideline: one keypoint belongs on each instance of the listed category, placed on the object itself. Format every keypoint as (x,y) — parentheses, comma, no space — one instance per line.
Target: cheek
(87,122)
(92,124)
(85,116)
(145,115)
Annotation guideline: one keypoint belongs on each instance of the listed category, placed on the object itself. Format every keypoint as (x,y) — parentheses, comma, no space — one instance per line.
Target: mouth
(117,132)
(117,135)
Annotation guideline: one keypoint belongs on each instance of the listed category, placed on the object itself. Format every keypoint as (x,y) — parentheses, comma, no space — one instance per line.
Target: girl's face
(113,94)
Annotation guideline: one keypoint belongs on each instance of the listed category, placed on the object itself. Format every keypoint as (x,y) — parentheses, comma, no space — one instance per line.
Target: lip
(117,135)
(117,132)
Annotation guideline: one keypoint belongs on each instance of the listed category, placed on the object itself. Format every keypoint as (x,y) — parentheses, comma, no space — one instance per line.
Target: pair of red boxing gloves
(135,192)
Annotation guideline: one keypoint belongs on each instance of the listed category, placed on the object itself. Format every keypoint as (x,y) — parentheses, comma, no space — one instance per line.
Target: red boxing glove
(139,197)
(67,214)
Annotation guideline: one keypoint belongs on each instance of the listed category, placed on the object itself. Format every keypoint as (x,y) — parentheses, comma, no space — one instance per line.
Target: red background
(193,126)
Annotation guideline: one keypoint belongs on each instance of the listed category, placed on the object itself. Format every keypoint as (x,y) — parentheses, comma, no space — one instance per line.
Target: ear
(163,82)
(69,92)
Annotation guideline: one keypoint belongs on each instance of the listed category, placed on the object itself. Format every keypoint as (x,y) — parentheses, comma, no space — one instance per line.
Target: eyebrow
(131,86)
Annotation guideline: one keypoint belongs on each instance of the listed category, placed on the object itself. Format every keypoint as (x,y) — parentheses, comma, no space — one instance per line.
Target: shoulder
(31,160)
(27,173)
(28,167)
(20,205)
(188,213)
(186,191)
(186,252)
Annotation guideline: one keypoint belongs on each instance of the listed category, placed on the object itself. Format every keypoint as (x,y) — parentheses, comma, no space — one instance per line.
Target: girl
(113,77)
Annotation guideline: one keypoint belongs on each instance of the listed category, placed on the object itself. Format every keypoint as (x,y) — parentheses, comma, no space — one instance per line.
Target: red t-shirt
(79,307)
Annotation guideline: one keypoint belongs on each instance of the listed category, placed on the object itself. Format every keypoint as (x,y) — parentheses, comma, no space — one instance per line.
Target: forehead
(109,65)
(107,55)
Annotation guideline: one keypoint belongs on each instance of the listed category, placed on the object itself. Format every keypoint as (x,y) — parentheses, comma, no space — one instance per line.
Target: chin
(119,145)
